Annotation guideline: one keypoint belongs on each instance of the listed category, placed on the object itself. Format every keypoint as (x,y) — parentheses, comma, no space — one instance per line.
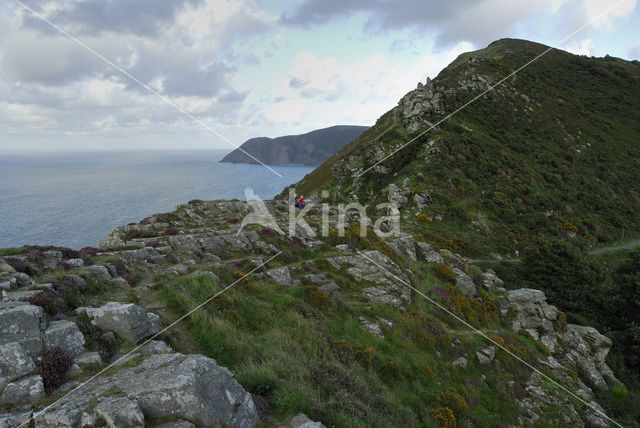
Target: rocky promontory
(84,339)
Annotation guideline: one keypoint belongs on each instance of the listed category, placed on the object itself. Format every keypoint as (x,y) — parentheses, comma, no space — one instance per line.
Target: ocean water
(74,199)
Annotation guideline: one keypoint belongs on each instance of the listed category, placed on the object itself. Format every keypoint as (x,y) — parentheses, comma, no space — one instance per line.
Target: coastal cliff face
(312,148)
(350,330)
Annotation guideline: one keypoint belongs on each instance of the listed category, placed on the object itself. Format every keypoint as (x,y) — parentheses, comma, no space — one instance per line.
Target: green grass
(316,360)
(4,252)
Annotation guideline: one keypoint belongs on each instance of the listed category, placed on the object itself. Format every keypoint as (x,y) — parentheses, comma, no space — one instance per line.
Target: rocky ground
(97,308)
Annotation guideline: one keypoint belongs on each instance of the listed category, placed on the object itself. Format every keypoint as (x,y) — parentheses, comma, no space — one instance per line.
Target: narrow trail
(597,251)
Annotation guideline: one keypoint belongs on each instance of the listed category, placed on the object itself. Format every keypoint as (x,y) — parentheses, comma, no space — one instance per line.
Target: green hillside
(553,150)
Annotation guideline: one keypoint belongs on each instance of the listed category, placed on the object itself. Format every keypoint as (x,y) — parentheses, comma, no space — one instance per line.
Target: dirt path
(598,251)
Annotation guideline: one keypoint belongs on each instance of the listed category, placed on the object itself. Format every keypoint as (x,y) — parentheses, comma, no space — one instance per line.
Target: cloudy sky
(251,68)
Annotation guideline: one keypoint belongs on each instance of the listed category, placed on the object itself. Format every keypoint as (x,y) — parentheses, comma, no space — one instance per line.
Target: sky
(219,72)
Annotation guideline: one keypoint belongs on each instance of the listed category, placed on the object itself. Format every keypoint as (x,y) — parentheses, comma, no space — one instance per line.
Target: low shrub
(63,265)
(48,300)
(391,370)
(122,270)
(89,252)
(444,272)
(444,416)
(36,257)
(195,202)
(170,231)
(450,399)
(19,265)
(315,297)
(53,367)
(560,324)
(95,339)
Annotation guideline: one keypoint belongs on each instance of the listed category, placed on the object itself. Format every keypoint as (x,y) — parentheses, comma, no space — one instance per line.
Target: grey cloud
(451,21)
(118,16)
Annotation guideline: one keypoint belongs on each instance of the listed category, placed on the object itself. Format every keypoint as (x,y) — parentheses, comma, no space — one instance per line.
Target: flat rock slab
(15,362)
(23,323)
(169,386)
(127,320)
(281,275)
(66,335)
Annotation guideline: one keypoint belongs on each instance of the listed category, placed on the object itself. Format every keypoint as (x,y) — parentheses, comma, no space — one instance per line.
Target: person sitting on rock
(301,203)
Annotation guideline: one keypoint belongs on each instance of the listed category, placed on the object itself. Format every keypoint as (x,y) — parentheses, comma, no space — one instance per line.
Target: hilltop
(550,151)
(312,148)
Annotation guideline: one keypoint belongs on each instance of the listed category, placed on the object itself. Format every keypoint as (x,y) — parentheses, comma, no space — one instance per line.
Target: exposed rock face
(191,388)
(486,355)
(128,321)
(422,102)
(302,421)
(576,349)
(66,335)
(22,323)
(376,267)
(464,283)
(15,362)
(281,275)
(25,390)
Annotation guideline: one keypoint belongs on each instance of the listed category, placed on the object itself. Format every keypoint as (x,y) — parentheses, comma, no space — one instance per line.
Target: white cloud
(581,47)
(325,91)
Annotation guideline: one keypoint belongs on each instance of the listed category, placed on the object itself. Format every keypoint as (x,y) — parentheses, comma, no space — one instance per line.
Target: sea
(74,199)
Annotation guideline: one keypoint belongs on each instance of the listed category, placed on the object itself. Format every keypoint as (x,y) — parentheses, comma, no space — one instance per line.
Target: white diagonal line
(491,88)
(488,338)
(147,87)
(36,414)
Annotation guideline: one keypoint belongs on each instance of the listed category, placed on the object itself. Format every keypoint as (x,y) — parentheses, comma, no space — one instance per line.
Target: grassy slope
(573,154)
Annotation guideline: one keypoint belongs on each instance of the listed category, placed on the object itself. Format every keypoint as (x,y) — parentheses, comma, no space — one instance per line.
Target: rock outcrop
(192,388)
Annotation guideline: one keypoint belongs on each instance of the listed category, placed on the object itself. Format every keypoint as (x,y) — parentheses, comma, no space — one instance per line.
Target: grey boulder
(281,275)
(66,335)
(23,323)
(127,320)
(23,391)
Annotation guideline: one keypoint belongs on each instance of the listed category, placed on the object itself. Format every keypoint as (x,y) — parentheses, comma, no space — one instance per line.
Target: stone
(184,243)
(193,388)
(427,253)
(486,355)
(154,347)
(66,335)
(281,275)
(100,271)
(5,267)
(464,283)
(15,362)
(23,391)
(127,320)
(15,420)
(177,424)
(141,254)
(23,280)
(490,280)
(375,267)
(302,421)
(120,413)
(460,362)
(75,263)
(16,296)
(330,288)
(405,246)
(78,281)
(5,285)
(588,349)
(88,358)
(213,245)
(23,323)
(371,327)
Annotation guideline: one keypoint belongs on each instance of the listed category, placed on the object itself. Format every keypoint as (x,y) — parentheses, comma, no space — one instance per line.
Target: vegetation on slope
(552,151)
